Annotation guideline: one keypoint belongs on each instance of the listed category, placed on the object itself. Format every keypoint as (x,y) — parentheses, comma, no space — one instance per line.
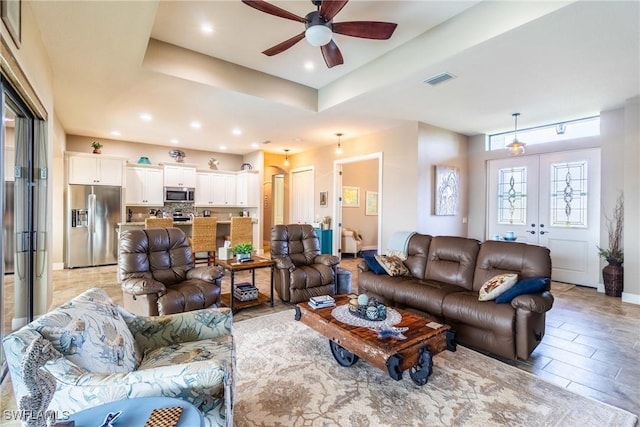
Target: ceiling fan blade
(265,7)
(281,47)
(365,29)
(331,54)
(330,8)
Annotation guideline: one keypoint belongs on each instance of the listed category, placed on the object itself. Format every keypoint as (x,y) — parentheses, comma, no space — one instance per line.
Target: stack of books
(322,301)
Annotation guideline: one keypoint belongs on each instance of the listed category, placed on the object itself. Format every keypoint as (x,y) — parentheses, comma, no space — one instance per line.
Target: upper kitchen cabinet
(215,189)
(144,187)
(247,189)
(92,169)
(179,176)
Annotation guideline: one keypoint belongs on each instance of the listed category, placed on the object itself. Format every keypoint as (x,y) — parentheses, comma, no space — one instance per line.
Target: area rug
(286,376)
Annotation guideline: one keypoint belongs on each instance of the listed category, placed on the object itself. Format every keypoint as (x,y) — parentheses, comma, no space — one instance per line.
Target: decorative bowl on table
(367,309)
(509,238)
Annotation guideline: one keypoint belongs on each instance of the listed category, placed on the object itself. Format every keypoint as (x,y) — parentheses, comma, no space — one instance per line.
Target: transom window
(572,129)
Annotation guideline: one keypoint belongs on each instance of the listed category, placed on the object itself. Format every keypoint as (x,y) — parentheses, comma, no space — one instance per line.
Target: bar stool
(158,222)
(203,239)
(241,230)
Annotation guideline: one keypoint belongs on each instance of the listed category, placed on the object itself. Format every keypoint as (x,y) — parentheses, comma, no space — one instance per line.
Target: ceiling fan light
(318,35)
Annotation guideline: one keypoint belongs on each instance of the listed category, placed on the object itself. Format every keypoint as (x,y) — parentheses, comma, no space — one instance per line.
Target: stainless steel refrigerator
(93,213)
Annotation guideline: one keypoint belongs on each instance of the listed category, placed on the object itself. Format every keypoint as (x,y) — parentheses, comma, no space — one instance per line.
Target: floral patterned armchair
(109,354)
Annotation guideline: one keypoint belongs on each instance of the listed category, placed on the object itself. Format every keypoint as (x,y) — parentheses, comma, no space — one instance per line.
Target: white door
(552,200)
(278,199)
(302,196)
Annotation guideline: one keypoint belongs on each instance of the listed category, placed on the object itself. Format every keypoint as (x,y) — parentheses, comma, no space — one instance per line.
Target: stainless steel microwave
(179,194)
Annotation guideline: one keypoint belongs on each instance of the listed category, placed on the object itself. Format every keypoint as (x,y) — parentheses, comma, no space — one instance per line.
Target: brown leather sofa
(157,273)
(446,276)
(301,272)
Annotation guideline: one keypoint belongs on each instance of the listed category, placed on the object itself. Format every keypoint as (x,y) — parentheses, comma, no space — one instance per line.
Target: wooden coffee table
(425,338)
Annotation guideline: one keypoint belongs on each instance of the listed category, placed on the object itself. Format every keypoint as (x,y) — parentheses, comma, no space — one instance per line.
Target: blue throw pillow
(529,285)
(373,264)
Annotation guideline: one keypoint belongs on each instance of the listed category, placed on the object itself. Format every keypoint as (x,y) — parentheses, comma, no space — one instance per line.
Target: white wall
(443,147)
(397,198)
(631,155)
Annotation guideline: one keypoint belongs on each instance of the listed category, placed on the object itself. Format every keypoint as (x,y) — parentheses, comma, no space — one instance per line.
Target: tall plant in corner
(614,253)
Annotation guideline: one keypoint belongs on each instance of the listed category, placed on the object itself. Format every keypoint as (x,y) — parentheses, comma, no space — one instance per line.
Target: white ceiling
(550,61)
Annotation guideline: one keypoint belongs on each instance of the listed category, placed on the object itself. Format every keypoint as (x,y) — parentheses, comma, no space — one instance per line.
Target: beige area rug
(561,287)
(286,376)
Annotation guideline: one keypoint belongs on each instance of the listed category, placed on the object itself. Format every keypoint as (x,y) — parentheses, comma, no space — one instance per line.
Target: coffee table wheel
(342,356)
(420,372)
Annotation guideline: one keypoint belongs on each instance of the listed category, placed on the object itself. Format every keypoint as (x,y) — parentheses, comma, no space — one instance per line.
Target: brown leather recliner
(300,270)
(157,273)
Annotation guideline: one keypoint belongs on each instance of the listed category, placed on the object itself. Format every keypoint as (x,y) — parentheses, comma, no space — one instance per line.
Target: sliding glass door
(24,210)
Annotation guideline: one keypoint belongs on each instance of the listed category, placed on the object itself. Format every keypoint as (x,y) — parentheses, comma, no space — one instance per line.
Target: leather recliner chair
(157,273)
(300,270)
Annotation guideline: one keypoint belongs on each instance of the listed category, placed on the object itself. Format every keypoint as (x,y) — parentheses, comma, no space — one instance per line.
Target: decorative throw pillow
(400,254)
(497,285)
(373,264)
(393,265)
(90,331)
(529,285)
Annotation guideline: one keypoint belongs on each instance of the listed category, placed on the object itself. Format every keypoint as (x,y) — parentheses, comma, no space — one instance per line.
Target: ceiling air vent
(439,78)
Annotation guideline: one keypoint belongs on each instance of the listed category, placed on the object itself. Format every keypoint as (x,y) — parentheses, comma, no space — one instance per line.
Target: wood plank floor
(591,346)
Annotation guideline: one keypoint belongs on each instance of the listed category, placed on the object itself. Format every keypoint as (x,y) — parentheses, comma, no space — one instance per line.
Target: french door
(551,200)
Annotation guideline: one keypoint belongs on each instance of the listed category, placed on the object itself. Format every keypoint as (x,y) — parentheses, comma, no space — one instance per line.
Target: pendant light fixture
(286,157)
(515,148)
(339,149)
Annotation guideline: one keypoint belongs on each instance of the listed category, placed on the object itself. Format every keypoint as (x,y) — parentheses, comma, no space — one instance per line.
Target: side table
(232,266)
(136,412)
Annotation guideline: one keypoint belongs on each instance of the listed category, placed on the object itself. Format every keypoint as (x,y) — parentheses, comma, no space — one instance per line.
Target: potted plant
(96,147)
(243,250)
(613,273)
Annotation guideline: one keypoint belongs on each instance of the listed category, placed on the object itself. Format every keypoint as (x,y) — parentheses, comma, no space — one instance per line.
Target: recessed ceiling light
(174,141)
(196,124)
(206,28)
(223,147)
(255,145)
(308,65)
(146,117)
(236,131)
(115,133)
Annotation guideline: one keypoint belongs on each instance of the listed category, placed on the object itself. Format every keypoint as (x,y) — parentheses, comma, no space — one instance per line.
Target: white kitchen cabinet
(204,189)
(144,187)
(247,189)
(94,169)
(215,189)
(224,189)
(179,176)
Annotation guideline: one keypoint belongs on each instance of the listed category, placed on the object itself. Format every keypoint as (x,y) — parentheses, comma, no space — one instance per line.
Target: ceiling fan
(320,28)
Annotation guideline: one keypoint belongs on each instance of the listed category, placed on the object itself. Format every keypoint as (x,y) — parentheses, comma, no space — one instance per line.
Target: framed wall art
(10,12)
(350,197)
(447,189)
(323,198)
(371,200)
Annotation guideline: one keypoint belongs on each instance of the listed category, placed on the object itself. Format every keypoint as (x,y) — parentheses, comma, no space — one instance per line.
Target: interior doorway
(361,176)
